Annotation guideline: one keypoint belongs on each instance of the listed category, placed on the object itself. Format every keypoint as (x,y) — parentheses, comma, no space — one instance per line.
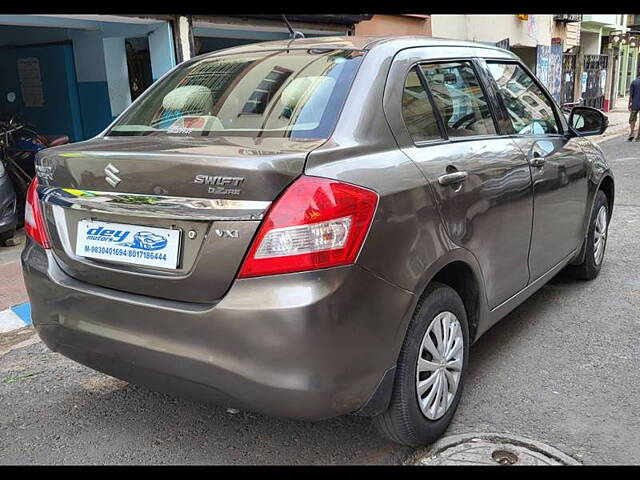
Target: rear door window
(530,110)
(459,99)
(417,110)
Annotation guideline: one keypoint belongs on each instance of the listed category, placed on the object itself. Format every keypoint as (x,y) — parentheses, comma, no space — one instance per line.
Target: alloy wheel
(600,235)
(439,365)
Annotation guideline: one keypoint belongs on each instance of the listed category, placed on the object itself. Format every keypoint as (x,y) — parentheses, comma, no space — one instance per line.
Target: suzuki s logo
(110,175)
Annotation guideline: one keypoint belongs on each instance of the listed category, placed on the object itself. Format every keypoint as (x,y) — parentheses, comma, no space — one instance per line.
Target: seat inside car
(192,100)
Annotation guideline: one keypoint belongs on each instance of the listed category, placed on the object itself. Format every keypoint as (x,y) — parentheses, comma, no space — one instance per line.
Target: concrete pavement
(618,124)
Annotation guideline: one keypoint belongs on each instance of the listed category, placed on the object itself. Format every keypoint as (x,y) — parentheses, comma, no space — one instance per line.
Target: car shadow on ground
(180,431)
(94,418)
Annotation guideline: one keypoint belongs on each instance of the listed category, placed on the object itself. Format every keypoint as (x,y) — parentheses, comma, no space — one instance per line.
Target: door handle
(538,160)
(451,178)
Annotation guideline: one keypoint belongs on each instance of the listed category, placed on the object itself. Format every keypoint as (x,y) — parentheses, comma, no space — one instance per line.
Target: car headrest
(299,87)
(189,98)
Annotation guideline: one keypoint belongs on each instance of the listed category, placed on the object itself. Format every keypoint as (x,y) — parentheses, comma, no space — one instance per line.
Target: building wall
(60,111)
(395,25)
(527,55)
(494,28)
(16,35)
(606,19)
(115,59)
(590,42)
(93,88)
(572,34)
(537,30)
(94,63)
(568,33)
(619,57)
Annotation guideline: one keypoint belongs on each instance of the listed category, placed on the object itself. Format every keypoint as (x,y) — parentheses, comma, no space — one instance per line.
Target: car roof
(356,42)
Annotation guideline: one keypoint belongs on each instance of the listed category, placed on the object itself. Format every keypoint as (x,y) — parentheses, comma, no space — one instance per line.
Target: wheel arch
(461,271)
(458,270)
(608,187)
(460,277)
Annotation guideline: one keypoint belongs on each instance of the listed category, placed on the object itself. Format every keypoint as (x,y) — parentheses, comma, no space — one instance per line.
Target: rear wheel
(596,241)
(430,372)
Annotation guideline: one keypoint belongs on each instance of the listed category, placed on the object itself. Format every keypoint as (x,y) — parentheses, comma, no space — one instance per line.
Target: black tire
(403,422)
(589,269)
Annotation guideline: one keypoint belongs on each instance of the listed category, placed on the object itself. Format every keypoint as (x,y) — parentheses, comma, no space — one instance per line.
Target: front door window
(530,110)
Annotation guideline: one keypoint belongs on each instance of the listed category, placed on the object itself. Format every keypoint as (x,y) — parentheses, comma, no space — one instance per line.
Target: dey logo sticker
(141,240)
(102,234)
(147,241)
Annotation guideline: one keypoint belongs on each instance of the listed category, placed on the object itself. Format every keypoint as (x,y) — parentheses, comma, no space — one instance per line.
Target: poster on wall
(532,29)
(30,81)
(555,71)
(542,64)
(583,82)
(603,80)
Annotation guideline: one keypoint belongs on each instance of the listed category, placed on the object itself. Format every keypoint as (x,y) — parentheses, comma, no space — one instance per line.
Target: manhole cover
(491,449)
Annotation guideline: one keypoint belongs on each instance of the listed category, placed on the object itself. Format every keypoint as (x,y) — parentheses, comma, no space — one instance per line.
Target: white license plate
(153,247)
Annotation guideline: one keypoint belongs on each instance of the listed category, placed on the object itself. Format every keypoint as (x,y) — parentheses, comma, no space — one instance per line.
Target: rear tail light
(33,219)
(316,223)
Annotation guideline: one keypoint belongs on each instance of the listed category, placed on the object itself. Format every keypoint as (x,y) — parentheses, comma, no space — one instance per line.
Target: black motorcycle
(8,204)
(19,143)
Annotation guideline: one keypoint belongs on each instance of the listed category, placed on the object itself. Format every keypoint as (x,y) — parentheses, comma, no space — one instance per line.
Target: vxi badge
(219,184)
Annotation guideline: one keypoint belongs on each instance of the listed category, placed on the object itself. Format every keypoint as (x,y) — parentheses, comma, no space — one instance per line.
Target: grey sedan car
(315,227)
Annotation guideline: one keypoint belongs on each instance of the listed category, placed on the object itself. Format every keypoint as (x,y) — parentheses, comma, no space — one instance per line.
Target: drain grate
(505,457)
(491,449)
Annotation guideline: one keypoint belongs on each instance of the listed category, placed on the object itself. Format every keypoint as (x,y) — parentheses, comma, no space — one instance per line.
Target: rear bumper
(309,345)
(8,215)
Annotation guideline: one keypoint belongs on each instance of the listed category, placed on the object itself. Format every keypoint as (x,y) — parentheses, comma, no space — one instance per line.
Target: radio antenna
(292,33)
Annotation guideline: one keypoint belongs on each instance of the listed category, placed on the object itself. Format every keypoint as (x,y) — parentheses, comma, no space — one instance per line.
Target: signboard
(30,81)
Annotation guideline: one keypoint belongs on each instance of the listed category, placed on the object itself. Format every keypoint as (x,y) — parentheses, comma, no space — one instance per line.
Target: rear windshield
(284,93)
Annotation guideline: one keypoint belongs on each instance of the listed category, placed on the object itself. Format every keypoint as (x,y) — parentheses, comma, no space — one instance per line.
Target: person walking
(634,107)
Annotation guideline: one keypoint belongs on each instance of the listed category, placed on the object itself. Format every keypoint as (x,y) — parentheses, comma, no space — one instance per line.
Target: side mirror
(585,121)
(11,97)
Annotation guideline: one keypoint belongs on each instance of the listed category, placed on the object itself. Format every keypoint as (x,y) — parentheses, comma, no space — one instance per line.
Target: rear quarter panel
(407,243)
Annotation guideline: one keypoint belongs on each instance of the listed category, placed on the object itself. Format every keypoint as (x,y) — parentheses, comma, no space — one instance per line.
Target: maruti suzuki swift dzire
(315,227)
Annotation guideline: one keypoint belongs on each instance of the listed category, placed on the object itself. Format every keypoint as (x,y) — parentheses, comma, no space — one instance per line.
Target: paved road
(561,369)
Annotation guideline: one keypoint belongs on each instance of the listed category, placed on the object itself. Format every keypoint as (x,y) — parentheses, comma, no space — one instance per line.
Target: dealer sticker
(139,245)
